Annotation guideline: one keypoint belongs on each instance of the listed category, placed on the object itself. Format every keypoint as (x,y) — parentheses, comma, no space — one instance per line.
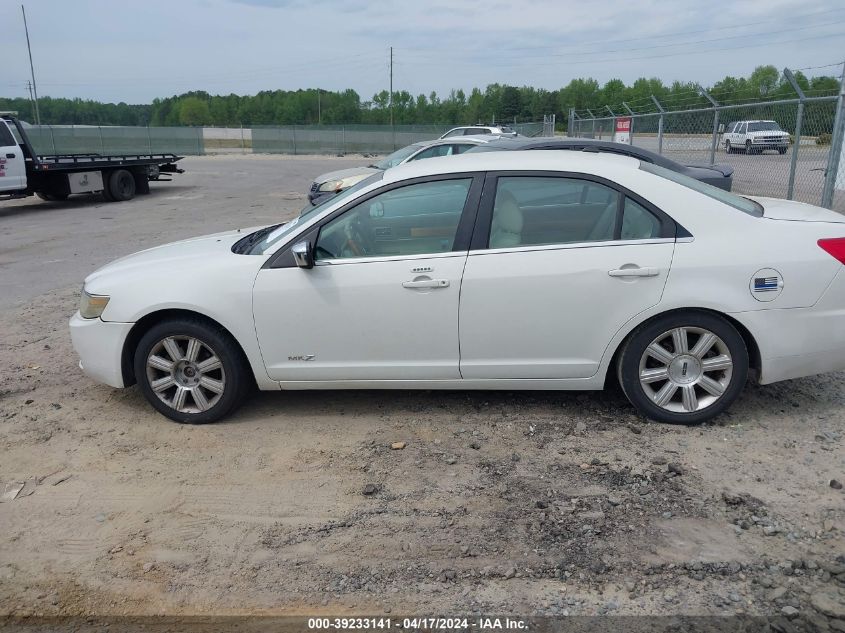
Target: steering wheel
(355,240)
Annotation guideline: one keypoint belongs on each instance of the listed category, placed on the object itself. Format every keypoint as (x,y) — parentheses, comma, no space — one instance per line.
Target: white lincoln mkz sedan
(512,270)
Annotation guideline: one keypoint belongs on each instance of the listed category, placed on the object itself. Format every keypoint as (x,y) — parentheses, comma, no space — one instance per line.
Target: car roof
(540,160)
(456,139)
(555,142)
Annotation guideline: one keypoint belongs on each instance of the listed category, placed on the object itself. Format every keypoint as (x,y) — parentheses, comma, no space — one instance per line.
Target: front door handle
(10,155)
(634,272)
(426,283)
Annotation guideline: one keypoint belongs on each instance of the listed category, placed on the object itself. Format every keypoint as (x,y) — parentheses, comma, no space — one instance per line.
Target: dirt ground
(511,502)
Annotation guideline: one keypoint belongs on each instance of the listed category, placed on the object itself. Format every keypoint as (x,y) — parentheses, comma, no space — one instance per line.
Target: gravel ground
(383,502)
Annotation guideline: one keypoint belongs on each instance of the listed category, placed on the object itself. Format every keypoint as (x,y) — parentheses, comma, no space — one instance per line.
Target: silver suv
(753,137)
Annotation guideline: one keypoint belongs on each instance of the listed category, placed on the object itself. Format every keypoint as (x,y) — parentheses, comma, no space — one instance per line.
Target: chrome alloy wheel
(185,374)
(686,369)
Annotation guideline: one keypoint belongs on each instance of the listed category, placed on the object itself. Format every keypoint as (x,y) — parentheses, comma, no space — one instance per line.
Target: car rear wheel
(683,368)
(191,371)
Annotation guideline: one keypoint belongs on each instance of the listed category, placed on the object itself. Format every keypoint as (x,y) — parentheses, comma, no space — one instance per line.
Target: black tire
(142,184)
(106,193)
(234,374)
(728,148)
(51,197)
(633,352)
(748,148)
(781,150)
(121,185)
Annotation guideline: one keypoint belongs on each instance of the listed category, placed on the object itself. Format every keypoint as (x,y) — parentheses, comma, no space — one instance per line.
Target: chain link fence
(806,167)
(293,139)
(85,139)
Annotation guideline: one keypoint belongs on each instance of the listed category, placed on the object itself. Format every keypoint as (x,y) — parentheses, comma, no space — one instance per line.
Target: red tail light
(834,246)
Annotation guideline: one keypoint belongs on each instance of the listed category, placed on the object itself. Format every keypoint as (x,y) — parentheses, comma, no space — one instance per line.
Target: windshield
(764,126)
(737,202)
(396,157)
(262,239)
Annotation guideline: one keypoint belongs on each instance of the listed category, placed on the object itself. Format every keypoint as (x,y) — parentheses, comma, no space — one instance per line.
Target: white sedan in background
(511,270)
(329,184)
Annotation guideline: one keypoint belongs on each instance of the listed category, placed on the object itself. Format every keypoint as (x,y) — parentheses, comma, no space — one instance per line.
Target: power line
(673,54)
(650,37)
(659,46)
(822,66)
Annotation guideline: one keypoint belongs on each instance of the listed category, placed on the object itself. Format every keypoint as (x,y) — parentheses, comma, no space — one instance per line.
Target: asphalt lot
(512,502)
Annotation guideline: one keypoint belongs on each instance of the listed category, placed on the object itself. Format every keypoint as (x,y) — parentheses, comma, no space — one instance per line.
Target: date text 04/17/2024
(417,623)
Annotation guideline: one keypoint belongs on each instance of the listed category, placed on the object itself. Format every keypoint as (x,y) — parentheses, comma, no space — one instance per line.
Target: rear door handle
(426,283)
(634,272)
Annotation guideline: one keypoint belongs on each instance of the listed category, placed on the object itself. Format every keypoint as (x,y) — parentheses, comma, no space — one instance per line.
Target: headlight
(92,306)
(331,185)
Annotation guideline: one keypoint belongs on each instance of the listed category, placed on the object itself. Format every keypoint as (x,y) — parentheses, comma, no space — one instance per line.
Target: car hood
(340,174)
(171,257)
(778,209)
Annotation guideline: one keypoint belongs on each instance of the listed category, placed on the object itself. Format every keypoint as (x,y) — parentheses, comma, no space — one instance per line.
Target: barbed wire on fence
(694,127)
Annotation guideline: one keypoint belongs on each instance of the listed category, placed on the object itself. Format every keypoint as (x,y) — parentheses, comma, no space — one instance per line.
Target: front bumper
(771,143)
(99,345)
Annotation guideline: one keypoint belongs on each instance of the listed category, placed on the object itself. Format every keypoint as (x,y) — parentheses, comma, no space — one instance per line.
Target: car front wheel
(683,368)
(190,371)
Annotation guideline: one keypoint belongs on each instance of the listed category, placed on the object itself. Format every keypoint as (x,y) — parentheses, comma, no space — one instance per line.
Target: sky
(115,50)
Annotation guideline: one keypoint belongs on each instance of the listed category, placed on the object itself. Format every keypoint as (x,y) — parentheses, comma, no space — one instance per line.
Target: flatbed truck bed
(117,177)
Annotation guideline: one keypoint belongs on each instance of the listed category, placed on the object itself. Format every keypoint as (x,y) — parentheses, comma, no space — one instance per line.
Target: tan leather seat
(603,229)
(506,228)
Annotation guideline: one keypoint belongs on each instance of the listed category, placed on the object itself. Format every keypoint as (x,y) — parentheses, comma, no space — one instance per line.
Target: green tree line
(496,102)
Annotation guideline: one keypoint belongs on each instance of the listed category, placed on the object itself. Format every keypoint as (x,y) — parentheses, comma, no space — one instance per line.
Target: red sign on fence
(622,133)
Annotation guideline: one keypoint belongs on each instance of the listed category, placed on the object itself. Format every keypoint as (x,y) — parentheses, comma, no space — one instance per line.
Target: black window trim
(283,258)
(669,228)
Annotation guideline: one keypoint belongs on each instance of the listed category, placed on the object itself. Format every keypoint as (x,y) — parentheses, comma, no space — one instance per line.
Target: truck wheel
(105,192)
(121,185)
(748,148)
(781,150)
(51,197)
(142,184)
(728,149)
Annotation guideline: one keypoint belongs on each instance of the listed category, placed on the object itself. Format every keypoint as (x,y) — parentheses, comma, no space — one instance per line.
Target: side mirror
(302,254)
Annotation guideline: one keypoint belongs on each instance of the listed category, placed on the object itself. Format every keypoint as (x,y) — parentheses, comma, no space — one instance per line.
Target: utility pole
(31,67)
(319,110)
(31,102)
(392,129)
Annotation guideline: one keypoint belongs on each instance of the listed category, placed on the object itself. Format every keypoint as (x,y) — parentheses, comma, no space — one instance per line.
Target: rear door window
(6,138)
(532,211)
